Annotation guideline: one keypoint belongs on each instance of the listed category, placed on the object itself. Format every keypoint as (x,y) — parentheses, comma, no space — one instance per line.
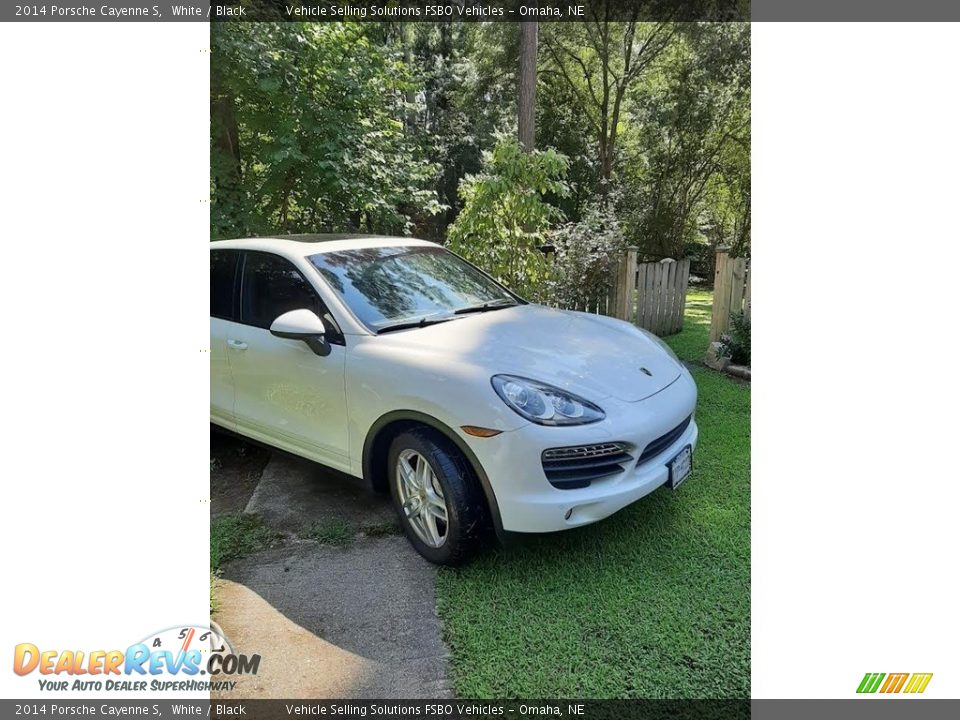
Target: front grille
(568,468)
(663,442)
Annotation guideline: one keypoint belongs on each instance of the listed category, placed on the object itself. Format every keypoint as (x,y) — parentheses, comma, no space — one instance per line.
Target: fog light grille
(568,468)
(664,441)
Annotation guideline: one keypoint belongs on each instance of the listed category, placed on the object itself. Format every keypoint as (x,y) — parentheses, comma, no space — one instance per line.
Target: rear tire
(437,497)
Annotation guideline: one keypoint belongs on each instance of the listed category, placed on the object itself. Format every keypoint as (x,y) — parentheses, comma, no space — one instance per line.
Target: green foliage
(587,254)
(506,215)
(331,532)
(308,132)
(686,175)
(736,344)
(236,535)
(455,123)
(389,127)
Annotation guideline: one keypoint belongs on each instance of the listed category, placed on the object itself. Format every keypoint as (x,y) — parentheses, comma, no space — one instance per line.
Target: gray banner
(373,10)
(479,10)
(875,708)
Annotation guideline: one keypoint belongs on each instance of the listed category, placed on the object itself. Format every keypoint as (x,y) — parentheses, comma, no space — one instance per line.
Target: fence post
(682,283)
(722,280)
(746,298)
(626,280)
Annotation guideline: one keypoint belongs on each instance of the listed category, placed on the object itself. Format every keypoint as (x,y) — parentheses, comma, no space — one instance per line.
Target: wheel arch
(377,443)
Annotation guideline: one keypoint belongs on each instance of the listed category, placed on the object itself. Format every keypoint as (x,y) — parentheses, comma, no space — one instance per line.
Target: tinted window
(223,271)
(383,285)
(273,286)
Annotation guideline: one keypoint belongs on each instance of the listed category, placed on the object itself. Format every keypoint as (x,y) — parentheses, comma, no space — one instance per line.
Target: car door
(224,307)
(286,394)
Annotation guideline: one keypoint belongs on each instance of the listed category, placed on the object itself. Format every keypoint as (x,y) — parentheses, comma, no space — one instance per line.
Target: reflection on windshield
(386,285)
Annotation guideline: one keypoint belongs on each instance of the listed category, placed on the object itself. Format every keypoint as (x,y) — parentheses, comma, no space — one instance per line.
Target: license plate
(680,467)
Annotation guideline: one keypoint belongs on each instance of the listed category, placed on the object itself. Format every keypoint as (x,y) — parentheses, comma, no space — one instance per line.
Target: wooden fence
(651,295)
(731,291)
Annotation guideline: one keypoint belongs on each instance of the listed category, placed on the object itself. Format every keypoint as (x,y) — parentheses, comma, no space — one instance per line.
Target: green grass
(691,343)
(652,602)
(236,535)
(332,532)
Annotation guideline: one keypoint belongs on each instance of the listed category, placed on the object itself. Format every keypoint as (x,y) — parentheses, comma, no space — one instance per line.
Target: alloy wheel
(421,498)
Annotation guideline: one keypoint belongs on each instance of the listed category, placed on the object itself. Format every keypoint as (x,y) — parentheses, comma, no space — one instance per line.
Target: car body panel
(574,351)
(285,390)
(528,503)
(222,390)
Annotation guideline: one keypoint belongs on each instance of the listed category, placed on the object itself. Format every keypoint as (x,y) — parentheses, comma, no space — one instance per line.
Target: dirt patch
(235,469)
(299,497)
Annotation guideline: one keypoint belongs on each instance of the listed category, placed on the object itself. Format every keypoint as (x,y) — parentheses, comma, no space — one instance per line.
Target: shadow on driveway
(355,621)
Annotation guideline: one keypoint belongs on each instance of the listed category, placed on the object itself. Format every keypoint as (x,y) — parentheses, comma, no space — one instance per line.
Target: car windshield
(388,286)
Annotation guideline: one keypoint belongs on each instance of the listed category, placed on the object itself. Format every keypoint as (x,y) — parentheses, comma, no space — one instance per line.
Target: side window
(223,273)
(272,286)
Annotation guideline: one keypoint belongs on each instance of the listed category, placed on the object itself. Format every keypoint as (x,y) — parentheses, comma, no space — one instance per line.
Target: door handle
(237,344)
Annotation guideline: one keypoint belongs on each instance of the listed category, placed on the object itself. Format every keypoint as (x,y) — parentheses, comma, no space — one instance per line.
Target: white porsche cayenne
(398,362)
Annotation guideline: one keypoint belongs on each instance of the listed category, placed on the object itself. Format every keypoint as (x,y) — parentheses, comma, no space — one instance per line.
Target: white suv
(398,362)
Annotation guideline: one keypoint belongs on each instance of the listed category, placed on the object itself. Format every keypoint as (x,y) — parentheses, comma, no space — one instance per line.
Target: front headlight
(659,341)
(544,404)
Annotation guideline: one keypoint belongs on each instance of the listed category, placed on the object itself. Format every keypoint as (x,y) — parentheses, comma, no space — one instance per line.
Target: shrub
(736,344)
(505,216)
(587,254)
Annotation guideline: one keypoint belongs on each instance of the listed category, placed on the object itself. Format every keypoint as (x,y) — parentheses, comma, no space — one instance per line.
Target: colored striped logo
(894,682)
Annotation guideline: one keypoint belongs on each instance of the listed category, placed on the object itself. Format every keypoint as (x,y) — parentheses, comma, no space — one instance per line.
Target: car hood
(589,355)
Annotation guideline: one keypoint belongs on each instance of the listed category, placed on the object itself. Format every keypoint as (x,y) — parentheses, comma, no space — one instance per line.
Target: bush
(736,344)
(505,216)
(587,254)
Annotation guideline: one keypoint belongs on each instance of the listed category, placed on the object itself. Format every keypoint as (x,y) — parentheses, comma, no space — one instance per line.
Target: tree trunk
(527,105)
(606,161)
(409,96)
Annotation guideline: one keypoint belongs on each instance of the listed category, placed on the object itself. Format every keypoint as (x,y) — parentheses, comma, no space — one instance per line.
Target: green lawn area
(652,602)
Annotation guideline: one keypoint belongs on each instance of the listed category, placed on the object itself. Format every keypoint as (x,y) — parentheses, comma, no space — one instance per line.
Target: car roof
(311,244)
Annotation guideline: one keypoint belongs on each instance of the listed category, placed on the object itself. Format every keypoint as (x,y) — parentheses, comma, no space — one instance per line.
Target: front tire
(437,496)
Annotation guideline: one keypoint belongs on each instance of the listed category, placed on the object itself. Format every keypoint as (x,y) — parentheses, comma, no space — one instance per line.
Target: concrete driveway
(356,620)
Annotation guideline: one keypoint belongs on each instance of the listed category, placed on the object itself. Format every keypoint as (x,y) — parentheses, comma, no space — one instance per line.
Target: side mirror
(302,325)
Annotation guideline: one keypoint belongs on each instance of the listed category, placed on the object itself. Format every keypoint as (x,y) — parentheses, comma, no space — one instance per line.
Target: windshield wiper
(492,305)
(422,322)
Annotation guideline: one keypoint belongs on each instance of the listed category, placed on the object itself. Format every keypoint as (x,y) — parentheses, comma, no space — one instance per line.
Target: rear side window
(273,286)
(223,273)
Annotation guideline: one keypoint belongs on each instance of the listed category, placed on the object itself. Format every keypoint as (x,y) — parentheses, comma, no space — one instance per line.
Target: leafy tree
(392,127)
(451,124)
(588,253)
(600,61)
(308,132)
(506,215)
(686,175)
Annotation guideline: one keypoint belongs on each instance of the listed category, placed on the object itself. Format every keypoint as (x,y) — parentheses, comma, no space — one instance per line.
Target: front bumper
(529,503)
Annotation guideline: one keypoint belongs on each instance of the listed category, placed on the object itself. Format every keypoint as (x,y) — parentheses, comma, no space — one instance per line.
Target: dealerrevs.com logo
(184,658)
(910,683)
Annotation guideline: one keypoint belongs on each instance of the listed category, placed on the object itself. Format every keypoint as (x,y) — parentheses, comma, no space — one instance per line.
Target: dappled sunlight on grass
(691,343)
